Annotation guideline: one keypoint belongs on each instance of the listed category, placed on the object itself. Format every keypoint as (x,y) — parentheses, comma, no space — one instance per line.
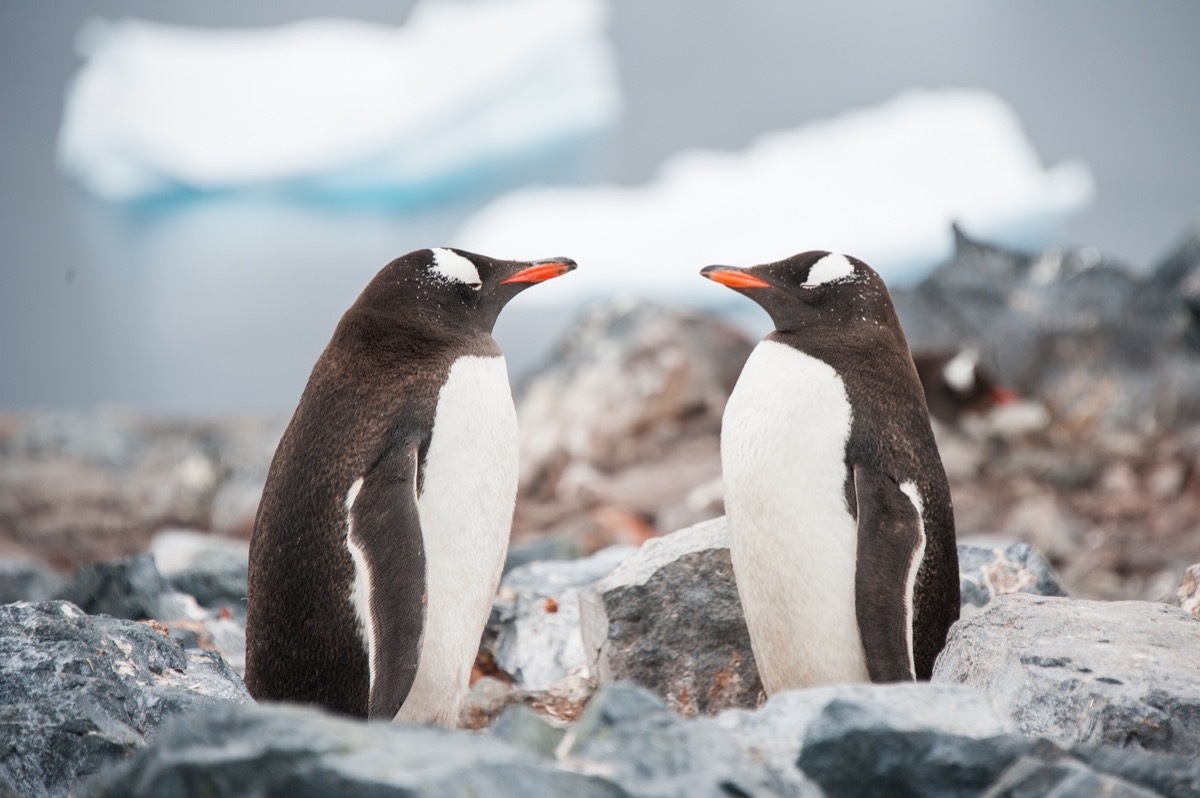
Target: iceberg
(884,184)
(334,107)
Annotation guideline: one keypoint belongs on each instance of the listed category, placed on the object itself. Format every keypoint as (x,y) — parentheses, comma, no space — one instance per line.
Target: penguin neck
(413,335)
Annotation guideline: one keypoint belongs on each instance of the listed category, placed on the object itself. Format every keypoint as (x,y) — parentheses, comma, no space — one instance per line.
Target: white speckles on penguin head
(452,267)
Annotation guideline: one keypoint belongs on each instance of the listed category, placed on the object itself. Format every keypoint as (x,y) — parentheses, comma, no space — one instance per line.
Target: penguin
(382,530)
(840,522)
(956,383)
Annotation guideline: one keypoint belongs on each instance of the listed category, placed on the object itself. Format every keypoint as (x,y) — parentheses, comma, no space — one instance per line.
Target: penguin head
(455,287)
(810,288)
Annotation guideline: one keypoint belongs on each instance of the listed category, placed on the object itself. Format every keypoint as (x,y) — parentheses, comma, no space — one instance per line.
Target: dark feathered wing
(889,538)
(386,528)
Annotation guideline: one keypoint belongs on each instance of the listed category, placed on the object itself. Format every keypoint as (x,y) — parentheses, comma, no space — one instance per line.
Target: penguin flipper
(386,528)
(890,538)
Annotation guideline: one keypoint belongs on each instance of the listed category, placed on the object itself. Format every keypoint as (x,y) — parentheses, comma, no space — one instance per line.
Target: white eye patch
(455,268)
(829,269)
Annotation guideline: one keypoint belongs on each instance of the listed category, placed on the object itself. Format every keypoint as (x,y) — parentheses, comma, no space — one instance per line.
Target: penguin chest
(793,541)
(466,509)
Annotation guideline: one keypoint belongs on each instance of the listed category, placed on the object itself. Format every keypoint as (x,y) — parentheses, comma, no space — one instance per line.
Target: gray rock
(631,736)
(552,548)
(289,751)
(1098,343)
(28,579)
(669,618)
(989,571)
(217,578)
(1170,775)
(524,728)
(95,486)
(1031,777)
(80,692)
(538,639)
(1187,595)
(849,752)
(625,381)
(776,732)
(1105,673)
(130,588)
(210,630)
(904,740)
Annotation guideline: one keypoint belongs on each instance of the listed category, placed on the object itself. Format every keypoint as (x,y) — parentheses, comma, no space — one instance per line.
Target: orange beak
(733,278)
(541,271)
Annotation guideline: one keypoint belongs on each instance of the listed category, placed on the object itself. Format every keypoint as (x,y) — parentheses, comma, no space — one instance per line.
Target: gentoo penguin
(840,524)
(956,383)
(383,527)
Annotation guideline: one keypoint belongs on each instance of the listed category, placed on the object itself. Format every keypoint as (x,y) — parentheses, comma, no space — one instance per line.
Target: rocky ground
(1083,500)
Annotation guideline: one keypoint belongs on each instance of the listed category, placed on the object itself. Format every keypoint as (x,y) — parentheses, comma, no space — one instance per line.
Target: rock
(989,571)
(631,736)
(28,579)
(551,548)
(132,588)
(777,732)
(1104,673)
(538,641)
(212,631)
(1187,597)
(216,578)
(82,488)
(524,728)
(94,487)
(80,692)
(1042,519)
(935,740)
(1098,343)
(1172,776)
(129,588)
(1062,778)
(280,750)
(669,618)
(627,380)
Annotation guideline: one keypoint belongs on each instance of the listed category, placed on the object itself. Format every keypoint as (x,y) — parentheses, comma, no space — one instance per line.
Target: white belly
(466,511)
(792,541)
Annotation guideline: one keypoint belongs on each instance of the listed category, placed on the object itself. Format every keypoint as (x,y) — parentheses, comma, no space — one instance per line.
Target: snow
(883,184)
(333,106)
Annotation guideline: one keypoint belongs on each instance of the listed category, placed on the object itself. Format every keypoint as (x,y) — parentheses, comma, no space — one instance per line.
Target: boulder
(1105,673)
(25,578)
(669,618)
(130,587)
(987,571)
(79,488)
(80,692)
(216,578)
(627,380)
(788,722)
(1096,342)
(910,740)
(628,733)
(1187,595)
(92,487)
(538,639)
(281,750)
